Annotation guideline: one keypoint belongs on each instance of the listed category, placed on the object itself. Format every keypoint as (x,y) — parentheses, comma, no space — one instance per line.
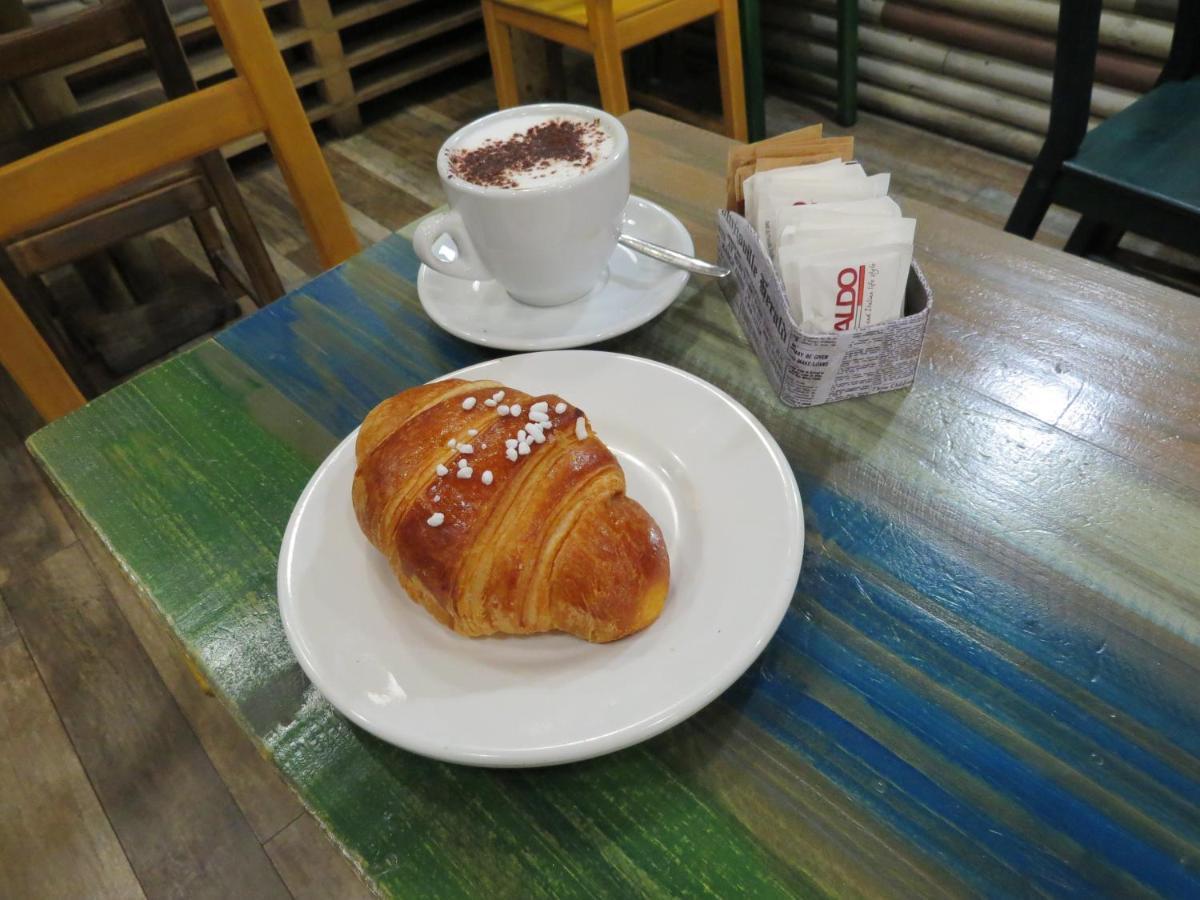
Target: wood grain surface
(115,711)
(985,684)
(268,805)
(311,866)
(50,812)
(32,530)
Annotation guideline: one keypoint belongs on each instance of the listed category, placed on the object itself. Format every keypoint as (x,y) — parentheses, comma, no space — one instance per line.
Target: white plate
(704,467)
(635,291)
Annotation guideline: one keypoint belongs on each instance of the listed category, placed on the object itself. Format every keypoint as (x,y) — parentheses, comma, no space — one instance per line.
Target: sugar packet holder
(812,369)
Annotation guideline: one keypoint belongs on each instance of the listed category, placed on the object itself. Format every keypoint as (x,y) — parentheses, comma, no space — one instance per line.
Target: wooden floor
(119,775)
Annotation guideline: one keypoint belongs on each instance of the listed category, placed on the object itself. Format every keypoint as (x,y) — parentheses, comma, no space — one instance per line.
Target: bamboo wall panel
(977,70)
(1124,31)
(881,42)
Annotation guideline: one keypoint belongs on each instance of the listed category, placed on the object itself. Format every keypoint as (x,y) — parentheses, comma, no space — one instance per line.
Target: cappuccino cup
(536,197)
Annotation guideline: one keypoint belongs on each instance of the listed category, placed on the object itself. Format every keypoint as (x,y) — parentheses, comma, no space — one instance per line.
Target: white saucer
(715,481)
(636,290)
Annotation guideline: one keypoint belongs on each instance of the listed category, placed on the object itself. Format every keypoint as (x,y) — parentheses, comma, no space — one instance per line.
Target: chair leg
(108,289)
(504,72)
(32,364)
(752,53)
(847,62)
(1091,237)
(1183,60)
(264,280)
(209,236)
(40,305)
(1034,200)
(729,65)
(606,52)
(610,73)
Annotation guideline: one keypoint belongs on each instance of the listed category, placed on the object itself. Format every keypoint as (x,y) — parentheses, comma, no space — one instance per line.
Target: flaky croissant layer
(502,512)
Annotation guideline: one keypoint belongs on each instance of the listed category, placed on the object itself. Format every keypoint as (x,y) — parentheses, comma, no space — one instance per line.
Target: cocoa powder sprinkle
(497,163)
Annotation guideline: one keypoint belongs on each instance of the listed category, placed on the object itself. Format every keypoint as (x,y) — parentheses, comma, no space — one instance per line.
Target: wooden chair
(192,189)
(1136,170)
(604,28)
(260,98)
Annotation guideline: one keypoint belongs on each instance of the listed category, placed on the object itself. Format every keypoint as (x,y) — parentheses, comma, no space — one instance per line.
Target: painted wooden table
(988,679)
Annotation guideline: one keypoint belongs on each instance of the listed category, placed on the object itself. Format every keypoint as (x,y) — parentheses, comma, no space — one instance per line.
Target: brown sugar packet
(780,145)
(800,154)
(745,154)
(839,150)
(739,178)
(805,145)
(830,148)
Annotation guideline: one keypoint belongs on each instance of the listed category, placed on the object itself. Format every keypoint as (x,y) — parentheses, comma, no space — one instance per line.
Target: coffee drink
(529,150)
(537,195)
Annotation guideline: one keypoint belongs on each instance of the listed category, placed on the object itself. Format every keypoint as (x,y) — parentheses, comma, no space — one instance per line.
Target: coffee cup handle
(466,264)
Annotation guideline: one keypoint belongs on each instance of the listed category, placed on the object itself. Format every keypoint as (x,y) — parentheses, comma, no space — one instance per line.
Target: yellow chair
(260,98)
(604,28)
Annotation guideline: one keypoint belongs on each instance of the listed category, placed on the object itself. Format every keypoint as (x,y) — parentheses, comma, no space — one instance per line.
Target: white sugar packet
(842,246)
(874,207)
(830,216)
(771,207)
(829,232)
(784,181)
(845,278)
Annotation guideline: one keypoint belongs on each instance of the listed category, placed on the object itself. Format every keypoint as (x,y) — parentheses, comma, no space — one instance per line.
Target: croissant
(502,512)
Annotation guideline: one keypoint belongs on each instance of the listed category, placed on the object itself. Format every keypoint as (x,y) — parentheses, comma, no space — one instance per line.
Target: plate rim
(568,342)
(678,711)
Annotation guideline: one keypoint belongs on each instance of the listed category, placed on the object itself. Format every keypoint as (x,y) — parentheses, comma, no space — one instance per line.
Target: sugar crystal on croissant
(548,542)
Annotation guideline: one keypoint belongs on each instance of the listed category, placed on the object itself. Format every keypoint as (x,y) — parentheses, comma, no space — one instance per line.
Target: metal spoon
(672,257)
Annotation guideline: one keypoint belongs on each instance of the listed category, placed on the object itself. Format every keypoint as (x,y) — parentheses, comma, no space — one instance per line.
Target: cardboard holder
(812,369)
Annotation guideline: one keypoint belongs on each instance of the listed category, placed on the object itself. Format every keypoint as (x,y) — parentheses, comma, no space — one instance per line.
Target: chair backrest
(66,39)
(260,98)
(36,49)
(1183,61)
(1074,70)
(1078,39)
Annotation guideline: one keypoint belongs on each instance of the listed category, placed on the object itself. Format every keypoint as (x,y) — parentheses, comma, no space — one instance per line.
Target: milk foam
(501,129)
